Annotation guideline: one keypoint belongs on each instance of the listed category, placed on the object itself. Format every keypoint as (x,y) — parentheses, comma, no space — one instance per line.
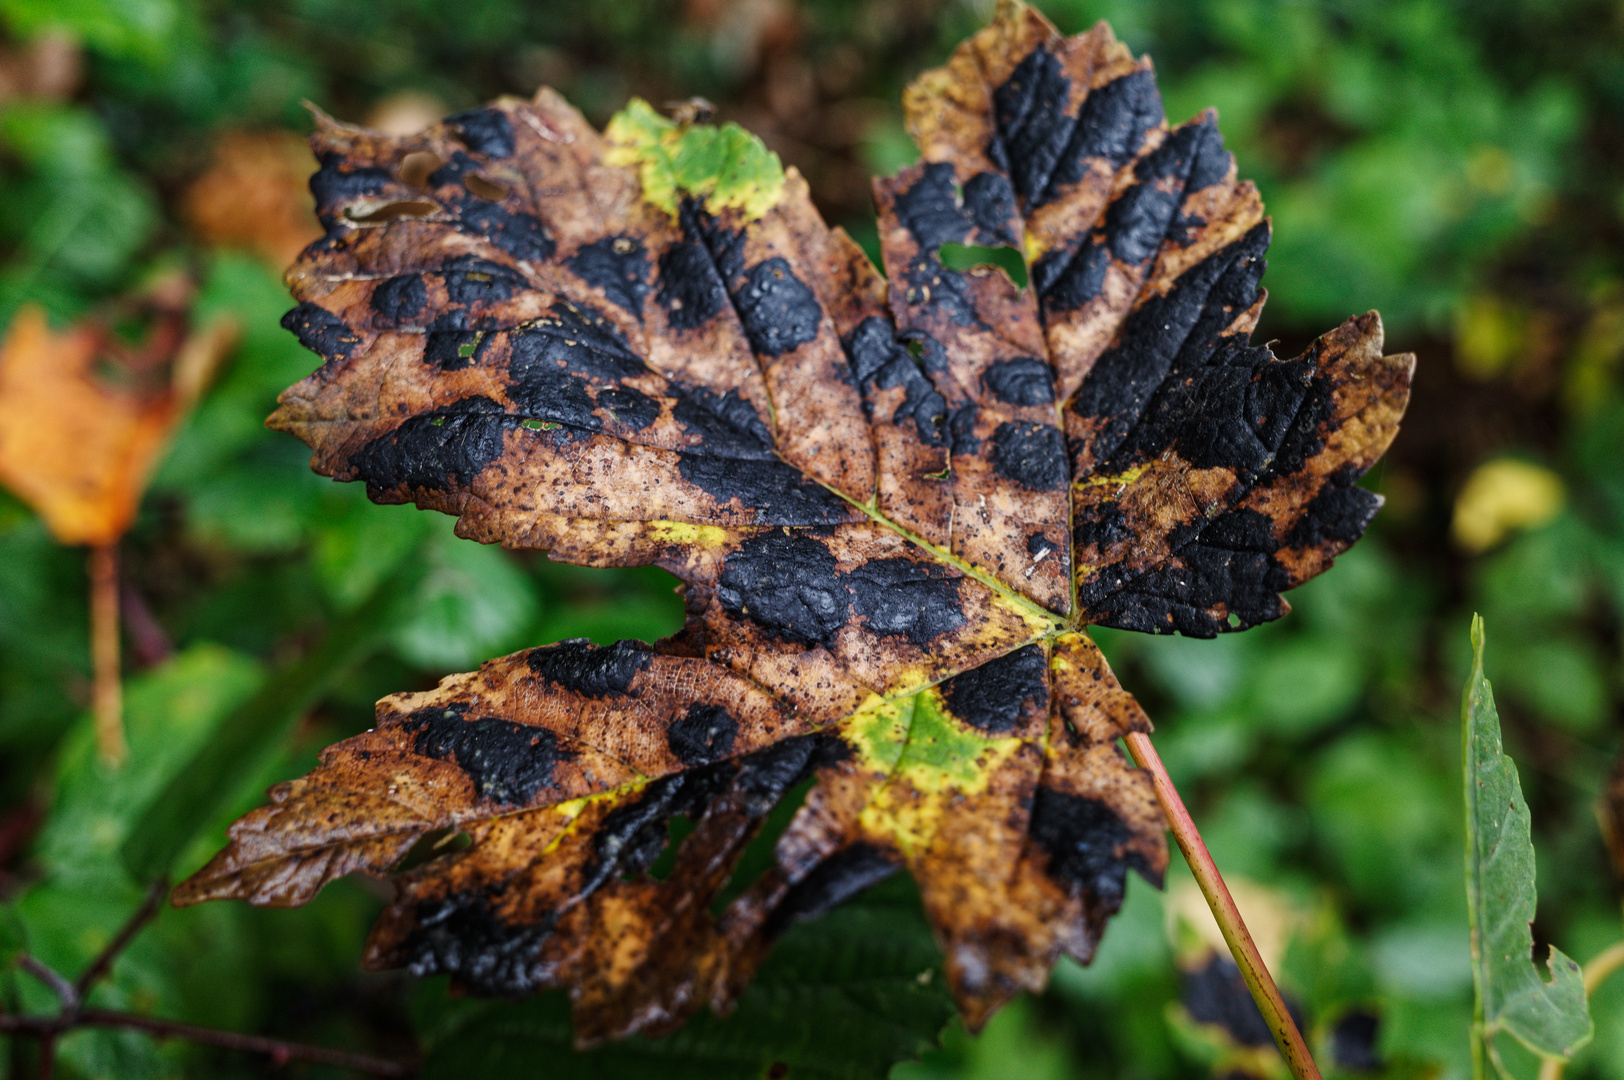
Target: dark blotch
(779,312)
(1113,123)
(453,350)
(520,235)
(582,668)
(690,290)
(619,266)
(727,424)
(929,209)
(1354,1042)
(879,361)
(1032,455)
(1216,994)
(1020,380)
(838,878)
(438,450)
(398,300)
(629,406)
(1033,131)
(786,584)
(485,131)
(1068,280)
(989,698)
(703,735)
(779,494)
(900,597)
(1081,837)
(991,204)
(470,280)
(320,331)
(508,763)
(463,935)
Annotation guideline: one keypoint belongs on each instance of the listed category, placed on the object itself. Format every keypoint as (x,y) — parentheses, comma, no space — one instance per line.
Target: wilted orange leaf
(254,195)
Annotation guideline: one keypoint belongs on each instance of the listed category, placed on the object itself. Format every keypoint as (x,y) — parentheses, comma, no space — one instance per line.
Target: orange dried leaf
(254,195)
(894,502)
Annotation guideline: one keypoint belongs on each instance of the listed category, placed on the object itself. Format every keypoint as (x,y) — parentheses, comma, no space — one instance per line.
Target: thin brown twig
(1241,946)
(108,692)
(47,1028)
(126,934)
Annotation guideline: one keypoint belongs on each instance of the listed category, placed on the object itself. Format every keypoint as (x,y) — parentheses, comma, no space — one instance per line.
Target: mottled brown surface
(894,502)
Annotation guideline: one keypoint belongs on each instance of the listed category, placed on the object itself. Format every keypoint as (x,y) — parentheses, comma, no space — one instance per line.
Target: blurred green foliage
(1460,167)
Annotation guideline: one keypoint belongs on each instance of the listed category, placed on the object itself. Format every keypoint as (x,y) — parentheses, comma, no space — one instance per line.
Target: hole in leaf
(677,829)
(540,425)
(1234,620)
(758,856)
(391,211)
(416,167)
(915,348)
(484,188)
(432,845)
(970,259)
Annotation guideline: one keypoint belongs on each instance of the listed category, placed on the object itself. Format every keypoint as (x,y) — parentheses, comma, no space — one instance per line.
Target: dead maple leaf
(77,443)
(894,504)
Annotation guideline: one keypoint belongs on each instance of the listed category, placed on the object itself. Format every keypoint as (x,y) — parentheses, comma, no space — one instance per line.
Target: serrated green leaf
(1550,1018)
(221,764)
(845,1000)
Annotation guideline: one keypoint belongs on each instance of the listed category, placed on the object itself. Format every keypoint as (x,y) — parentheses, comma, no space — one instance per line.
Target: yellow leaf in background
(79,449)
(1501,496)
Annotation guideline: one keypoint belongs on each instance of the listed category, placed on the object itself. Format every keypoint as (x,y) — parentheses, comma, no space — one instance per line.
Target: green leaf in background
(842,998)
(1550,1019)
(235,751)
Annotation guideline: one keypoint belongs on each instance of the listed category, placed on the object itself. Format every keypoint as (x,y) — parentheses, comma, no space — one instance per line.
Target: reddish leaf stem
(108,694)
(1241,946)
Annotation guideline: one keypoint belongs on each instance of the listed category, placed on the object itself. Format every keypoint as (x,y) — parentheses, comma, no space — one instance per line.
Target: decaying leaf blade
(894,503)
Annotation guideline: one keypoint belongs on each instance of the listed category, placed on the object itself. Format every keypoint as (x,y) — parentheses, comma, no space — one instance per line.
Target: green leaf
(1551,1019)
(844,998)
(217,770)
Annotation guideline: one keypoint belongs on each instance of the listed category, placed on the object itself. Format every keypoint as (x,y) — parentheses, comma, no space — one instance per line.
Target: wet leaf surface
(894,503)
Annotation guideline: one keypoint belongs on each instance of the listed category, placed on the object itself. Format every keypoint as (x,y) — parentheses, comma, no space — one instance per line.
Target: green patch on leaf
(1549,1018)
(726,166)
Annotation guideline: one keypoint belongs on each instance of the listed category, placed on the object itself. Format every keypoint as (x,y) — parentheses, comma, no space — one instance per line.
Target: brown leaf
(78,447)
(894,503)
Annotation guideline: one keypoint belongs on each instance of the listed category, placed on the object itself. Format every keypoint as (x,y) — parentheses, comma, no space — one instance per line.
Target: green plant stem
(1601,965)
(1241,946)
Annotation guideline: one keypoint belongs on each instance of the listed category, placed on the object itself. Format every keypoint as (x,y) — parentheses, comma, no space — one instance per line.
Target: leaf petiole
(1241,946)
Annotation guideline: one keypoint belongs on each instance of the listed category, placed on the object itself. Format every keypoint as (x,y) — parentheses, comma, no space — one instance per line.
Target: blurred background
(1459,166)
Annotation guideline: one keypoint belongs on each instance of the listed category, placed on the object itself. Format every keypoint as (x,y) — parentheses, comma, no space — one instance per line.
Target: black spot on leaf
(470,280)
(619,266)
(398,300)
(1032,455)
(903,598)
(727,424)
(629,406)
(705,733)
(779,312)
(989,698)
(453,350)
(1082,837)
(990,201)
(485,131)
(786,584)
(777,493)
(520,235)
(582,668)
(1020,380)
(436,450)
(879,361)
(320,331)
(508,763)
